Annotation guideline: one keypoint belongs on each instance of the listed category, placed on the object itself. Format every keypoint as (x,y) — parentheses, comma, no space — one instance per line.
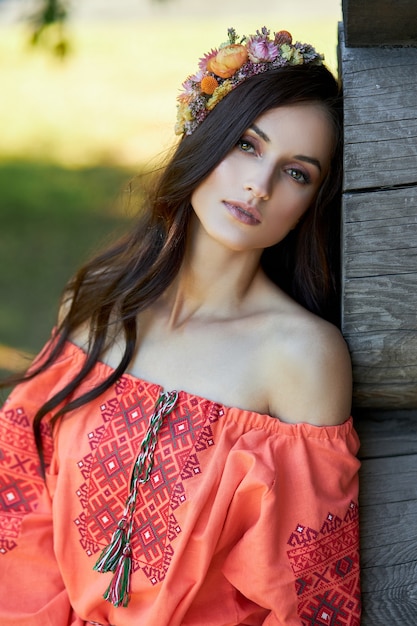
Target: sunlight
(113,100)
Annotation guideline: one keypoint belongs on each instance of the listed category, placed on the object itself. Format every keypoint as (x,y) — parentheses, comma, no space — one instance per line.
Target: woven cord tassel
(108,559)
(118,592)
(117,556)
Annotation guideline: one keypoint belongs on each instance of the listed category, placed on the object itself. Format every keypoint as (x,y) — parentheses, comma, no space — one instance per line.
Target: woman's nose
(259,187)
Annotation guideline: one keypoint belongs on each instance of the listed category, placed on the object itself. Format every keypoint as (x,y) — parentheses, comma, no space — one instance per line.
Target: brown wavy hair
(126,278)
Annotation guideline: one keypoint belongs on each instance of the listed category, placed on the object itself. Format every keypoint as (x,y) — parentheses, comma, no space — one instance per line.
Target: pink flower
(202,64)
(188,87)
(262,50)
(189,84)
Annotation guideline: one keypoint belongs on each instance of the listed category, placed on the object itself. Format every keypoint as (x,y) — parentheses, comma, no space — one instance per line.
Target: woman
(191,412)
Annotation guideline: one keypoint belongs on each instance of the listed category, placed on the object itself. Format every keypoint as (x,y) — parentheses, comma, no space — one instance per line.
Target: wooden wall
(388,514)
(379,248)
(379,238)
(380,22)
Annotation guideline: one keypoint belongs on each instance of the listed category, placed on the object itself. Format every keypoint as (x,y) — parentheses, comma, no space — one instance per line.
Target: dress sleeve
(300,558)
(31,589)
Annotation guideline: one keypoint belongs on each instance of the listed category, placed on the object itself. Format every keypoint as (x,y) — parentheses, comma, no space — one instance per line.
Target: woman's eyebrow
(307,159)
(260,132)
(301,157)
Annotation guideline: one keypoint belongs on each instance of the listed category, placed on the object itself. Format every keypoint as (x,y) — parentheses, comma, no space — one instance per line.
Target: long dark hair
(111,289)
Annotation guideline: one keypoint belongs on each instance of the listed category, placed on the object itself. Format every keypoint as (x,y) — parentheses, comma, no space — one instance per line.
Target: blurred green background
(75,130)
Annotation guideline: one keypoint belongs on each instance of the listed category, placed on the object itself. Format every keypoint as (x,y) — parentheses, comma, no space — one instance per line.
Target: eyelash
(242,142)
(304,178)
(301,177)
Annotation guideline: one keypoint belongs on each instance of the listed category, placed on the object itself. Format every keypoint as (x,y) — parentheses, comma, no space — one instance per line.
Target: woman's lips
(244,213)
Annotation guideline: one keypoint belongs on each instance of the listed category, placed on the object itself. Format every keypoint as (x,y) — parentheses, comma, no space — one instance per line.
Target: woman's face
(264,185)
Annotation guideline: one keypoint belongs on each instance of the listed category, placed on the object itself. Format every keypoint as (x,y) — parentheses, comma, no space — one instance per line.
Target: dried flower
(283,37)
(228,59)
(208,84)
(219,94)
(202,64)
(260,51)
(223,69)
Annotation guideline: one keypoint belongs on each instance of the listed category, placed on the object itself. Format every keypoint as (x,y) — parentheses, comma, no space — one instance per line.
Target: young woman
(181,453)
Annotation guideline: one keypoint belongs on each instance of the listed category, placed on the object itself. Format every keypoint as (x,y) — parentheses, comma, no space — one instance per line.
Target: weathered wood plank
(380,95)
(375,354)
(380,233)
(389,480)
(388,510)
(376,303)
(388,534)
(386,433)
(380,22)
(379,248)
(388,396)
(381,205)
(379,224)
(384,369)
(389,545)
(395,601)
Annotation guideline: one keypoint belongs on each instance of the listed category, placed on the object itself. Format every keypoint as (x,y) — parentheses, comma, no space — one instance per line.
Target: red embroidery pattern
(325,563)
(106,472)
(20,477)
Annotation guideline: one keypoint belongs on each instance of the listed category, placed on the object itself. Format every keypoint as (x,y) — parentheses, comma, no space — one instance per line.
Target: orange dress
(244,519)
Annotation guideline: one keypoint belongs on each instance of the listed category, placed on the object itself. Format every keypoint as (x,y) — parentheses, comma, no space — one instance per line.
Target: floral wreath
(223,69)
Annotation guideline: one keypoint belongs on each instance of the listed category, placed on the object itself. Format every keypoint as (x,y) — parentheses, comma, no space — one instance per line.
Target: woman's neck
(213,282)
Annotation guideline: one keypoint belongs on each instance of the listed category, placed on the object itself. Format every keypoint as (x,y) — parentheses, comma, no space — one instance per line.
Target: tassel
(117,556)
(118,591)
(111,554)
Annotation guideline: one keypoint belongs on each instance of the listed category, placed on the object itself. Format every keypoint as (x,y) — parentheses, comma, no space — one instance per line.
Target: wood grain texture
(379,295)
(388,510)
(380,99)
(384,369)
(379,285)
(379,250)
(380,22)
(389,544)
(386,433)
(380,233)
(379,224)
(375,303)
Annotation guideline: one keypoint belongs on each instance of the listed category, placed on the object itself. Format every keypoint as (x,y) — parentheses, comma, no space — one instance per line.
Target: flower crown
(223,69)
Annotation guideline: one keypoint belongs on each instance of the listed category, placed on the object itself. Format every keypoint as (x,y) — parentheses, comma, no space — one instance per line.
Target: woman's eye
(245,145)
(298,175)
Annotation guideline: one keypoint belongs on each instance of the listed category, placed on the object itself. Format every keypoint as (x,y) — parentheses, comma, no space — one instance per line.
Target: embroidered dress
(244,519)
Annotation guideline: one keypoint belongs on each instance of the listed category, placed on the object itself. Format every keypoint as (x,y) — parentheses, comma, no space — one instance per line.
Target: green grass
(52,219)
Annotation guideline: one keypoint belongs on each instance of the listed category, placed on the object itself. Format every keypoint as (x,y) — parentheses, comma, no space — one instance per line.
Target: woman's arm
(32,592)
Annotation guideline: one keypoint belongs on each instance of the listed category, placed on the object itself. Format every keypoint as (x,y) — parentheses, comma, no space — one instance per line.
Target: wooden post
(379,238)
(379,318)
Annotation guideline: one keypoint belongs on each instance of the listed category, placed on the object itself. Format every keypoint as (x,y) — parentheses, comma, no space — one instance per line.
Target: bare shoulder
(310,357)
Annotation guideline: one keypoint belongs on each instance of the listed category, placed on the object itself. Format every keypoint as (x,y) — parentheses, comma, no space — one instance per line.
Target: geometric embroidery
(106,472)
(19,461)
(325,564)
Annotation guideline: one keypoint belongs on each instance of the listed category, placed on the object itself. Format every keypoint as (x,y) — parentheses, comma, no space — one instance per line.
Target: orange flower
(228,60)
(208,85)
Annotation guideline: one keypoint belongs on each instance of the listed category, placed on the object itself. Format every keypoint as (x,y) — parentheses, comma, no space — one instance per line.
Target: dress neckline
(254,418)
